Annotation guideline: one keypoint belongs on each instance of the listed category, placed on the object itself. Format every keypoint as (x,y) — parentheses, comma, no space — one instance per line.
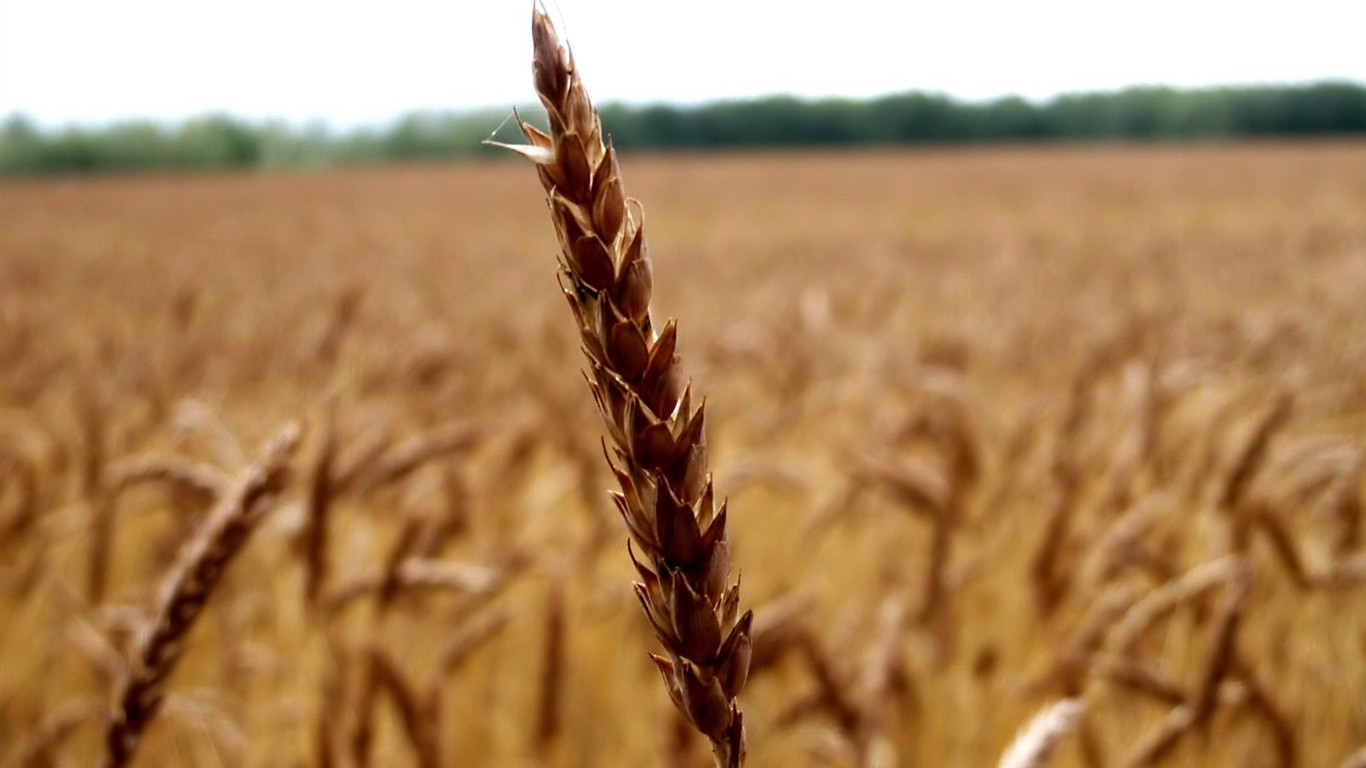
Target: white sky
(349,63)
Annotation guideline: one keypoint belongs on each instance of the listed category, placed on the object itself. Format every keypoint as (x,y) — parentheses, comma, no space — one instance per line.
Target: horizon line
(331,123)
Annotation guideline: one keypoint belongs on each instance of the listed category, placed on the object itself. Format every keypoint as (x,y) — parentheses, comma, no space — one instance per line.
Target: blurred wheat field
(1114,364)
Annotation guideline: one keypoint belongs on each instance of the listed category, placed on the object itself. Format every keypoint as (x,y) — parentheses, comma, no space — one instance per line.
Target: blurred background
(1031,338)
(88,86)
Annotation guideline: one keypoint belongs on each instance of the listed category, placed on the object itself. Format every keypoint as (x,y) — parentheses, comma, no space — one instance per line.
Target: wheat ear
(185,591)
(660,444)
(1035,745)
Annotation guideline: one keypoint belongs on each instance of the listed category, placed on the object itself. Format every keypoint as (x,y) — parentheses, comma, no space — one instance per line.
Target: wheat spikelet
(1035,745)
(659,441)
(184,593)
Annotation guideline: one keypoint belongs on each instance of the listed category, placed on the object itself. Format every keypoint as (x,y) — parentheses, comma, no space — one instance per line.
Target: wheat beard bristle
(659,445)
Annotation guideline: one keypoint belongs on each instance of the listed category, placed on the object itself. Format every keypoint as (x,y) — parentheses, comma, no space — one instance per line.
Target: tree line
(1134,114)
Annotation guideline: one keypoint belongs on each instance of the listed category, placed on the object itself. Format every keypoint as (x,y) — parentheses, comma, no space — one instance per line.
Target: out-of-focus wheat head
(659,451)
(187,588)
(1036,744)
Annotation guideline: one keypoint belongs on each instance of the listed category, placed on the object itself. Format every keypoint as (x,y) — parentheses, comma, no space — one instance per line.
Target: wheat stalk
(660,444)
(417,713)
(21,473)
(552,673)
(321,490)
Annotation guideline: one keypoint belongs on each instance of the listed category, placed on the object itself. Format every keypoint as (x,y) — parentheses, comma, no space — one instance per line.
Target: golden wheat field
(998,427)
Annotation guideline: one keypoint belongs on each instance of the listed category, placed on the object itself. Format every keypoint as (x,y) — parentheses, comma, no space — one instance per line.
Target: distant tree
(20,145)
(1134,114)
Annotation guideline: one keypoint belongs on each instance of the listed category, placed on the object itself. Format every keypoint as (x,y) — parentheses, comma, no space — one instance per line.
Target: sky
(349,64)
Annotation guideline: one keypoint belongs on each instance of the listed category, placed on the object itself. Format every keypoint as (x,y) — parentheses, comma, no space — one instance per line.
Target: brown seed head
(658,446)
